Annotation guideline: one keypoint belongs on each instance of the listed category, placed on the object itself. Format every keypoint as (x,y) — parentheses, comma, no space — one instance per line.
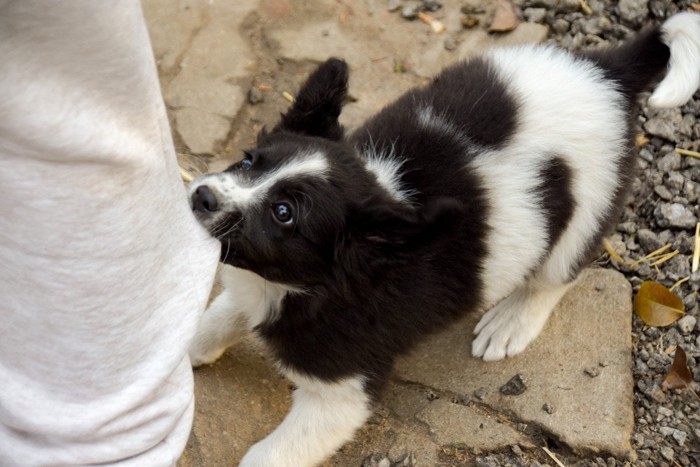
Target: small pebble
(680,436)
(592,371)
(405,460)
(410,12)
(469,21)
(431,5)
(667,453)
(686,324)
(376,460)
(255,96)
(549,408)
(663,192)
(675,215)
(461,399)
(450,43)
(480,393)
(535,15)
(515,386)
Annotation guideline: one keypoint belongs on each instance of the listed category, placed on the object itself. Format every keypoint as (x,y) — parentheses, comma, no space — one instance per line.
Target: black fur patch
(557,200)
(319,102)
(468,96)
(635,65)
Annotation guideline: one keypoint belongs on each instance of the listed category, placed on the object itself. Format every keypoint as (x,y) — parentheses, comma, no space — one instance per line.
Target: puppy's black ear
(407,228)
(317,106)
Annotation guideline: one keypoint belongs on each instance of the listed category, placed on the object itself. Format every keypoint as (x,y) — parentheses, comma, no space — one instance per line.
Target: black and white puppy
(488,189)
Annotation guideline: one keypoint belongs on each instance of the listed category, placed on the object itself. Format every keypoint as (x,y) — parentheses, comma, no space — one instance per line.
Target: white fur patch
(246,301)
(386,167)
(440,124)
(562,102)
(235,192)
(682,36)
(324,416)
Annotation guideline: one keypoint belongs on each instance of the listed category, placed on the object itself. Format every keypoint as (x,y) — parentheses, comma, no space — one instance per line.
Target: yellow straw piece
(665,258)
(696,249)
(613,254)
(685,152)
(186,177)
(652,255)
(288,96)
(677,284)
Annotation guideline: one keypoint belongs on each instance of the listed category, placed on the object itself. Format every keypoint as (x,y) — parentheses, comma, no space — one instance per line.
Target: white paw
(505,330)
(201,353)
(262,454)
(254,457)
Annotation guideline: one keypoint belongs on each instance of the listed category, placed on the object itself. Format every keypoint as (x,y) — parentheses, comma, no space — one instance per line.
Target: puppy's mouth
(225,226)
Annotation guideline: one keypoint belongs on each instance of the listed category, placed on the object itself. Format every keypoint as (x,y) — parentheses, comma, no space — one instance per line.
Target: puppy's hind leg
(514,322)
(324,416)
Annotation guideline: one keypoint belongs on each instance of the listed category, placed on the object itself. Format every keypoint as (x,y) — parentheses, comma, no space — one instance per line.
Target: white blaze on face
(234,191)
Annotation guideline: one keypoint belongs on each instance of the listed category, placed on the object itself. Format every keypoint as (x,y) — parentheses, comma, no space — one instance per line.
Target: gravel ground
(662,209)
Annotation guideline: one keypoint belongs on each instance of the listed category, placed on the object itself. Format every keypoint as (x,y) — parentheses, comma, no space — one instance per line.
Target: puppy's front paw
(508,328)
(262,454)
(501,333)
(201,352)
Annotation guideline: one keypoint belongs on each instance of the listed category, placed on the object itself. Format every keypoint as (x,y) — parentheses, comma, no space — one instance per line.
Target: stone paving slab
(580,365)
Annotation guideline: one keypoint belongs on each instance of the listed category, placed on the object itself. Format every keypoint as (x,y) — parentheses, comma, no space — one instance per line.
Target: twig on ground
(554,458)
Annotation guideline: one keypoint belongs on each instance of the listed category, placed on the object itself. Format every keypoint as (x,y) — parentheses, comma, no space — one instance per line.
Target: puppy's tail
(670,53)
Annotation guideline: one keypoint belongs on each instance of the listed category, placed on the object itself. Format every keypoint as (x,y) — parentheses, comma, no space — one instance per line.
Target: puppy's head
(302,207)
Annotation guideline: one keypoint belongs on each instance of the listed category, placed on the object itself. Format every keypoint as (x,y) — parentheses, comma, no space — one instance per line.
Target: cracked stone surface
(590,329)
(209,55)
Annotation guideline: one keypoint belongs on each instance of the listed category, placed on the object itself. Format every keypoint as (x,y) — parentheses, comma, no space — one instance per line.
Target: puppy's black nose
(203,200)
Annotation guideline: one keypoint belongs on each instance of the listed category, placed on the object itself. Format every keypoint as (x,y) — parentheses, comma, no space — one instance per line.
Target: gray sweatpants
(104,272)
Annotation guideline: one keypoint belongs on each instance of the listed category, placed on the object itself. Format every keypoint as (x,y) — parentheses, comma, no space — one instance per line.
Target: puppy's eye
(247,161)
(283,213)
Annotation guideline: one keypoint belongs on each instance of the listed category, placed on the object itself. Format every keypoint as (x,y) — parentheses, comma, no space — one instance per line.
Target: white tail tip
(682,36)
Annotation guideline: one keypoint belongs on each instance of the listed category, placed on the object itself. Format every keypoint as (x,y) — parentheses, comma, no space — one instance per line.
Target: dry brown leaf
(657,306)
(505,17)
(679,375)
